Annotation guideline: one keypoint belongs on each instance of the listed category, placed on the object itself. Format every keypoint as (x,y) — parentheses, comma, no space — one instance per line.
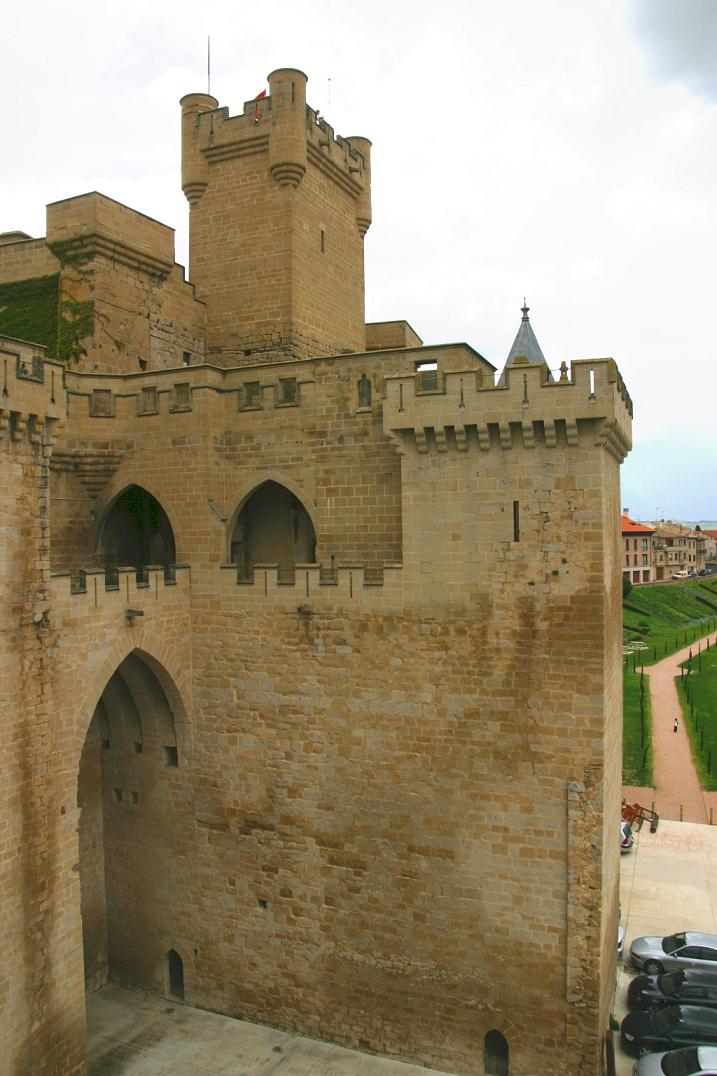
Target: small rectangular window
(148,401)
(427,373)
(182,397)
(288,390)
(251,395)
(101,404)
(186,357)
(171,757)
(117,795)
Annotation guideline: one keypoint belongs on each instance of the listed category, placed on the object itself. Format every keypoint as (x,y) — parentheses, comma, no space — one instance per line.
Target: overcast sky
(562,151)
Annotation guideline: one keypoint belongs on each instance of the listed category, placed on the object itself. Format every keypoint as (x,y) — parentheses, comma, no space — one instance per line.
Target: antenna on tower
(209,65)
(328,110)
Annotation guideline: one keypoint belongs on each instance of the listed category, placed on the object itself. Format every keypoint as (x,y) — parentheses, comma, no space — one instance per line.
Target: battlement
(32,396)
(466,408)
(281,122)
(139,592)
(305,590)
(261,386)
(92,224)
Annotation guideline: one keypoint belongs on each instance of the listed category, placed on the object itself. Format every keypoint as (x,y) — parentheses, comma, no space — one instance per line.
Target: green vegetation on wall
(33,310)
(28,310)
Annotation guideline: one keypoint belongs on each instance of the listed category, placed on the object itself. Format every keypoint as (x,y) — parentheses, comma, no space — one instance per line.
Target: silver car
(692,1061)
(684,950)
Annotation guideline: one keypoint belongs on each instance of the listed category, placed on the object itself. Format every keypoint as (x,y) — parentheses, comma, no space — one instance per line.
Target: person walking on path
(676,786)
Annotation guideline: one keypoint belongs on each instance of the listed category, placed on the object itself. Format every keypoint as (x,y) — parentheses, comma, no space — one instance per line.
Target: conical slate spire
(525,346)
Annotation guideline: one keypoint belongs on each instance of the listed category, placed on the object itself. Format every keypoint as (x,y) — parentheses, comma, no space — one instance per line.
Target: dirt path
(676,782)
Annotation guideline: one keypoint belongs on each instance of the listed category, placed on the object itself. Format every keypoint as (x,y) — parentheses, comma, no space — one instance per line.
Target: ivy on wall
(29,310)
(33,310)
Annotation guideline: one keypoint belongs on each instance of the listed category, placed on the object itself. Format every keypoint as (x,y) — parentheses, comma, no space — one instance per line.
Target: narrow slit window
(323,240)
(171,758)
(516,521)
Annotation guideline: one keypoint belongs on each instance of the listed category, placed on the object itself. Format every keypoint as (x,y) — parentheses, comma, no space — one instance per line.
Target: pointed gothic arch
(271,526)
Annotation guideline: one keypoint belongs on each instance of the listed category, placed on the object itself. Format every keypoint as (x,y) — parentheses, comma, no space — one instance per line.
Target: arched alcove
(495,1054)
(175,974)
(135,532)
(273,527)
(132,813)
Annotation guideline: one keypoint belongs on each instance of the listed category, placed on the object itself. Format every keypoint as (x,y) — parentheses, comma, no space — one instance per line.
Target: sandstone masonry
(310,639)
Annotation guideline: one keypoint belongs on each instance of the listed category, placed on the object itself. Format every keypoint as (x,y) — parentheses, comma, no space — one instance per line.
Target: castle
(310,633)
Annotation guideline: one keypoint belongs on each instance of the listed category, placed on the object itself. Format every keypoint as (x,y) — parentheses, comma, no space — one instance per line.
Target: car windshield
(664,1020)
(681,1062)
(675,941)
(671,982)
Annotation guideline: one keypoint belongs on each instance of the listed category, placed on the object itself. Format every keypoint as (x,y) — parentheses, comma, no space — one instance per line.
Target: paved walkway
(132,1033)
(667,883)
(676,783)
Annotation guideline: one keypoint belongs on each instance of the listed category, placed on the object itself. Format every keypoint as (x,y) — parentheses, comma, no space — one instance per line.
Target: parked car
(661,1029)
(626,838)
(692,1061)
(685,950)
(681,575)
(693,986)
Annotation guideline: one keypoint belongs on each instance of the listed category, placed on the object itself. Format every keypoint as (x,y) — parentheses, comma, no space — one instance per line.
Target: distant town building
(637,550)
(677,548)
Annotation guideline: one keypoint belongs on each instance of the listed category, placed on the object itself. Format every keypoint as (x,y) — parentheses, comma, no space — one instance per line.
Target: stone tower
(311,654)
(279,209)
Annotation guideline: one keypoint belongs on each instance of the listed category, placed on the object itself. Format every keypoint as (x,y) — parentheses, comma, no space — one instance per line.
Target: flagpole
(209,65)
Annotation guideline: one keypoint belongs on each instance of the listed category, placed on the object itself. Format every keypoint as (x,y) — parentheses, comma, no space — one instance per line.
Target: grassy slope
(698,695)
(663,618)
(637,746)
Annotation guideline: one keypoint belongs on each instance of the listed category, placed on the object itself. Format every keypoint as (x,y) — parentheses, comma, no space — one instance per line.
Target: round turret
(195,169)
(287,141)
(363,202)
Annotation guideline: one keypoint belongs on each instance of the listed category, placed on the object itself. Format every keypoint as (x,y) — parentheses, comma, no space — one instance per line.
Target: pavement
(133,1033)
(667,883)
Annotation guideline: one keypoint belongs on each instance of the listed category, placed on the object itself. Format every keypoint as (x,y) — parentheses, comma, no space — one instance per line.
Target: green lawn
(660,620)
(637,733)
(698,695)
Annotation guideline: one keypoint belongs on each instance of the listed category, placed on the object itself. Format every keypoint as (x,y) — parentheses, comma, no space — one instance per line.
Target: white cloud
(519,149)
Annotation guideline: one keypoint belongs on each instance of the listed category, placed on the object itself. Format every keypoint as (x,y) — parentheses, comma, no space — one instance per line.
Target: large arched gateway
(132,794)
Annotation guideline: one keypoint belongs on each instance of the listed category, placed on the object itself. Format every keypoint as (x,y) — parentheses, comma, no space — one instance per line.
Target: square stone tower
(279,209)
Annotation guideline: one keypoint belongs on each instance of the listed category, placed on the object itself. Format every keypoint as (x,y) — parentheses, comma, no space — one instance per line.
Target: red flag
(260,95)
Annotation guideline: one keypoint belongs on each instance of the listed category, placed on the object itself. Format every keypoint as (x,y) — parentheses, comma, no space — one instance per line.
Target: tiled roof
(629,526)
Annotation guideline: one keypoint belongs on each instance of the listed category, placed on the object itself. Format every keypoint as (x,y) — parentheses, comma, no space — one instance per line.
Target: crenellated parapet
(126,595)
(465,410)
(282,125)
(32,397)
(306,590)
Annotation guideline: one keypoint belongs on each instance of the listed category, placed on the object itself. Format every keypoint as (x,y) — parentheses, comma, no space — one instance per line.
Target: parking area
(667,883)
